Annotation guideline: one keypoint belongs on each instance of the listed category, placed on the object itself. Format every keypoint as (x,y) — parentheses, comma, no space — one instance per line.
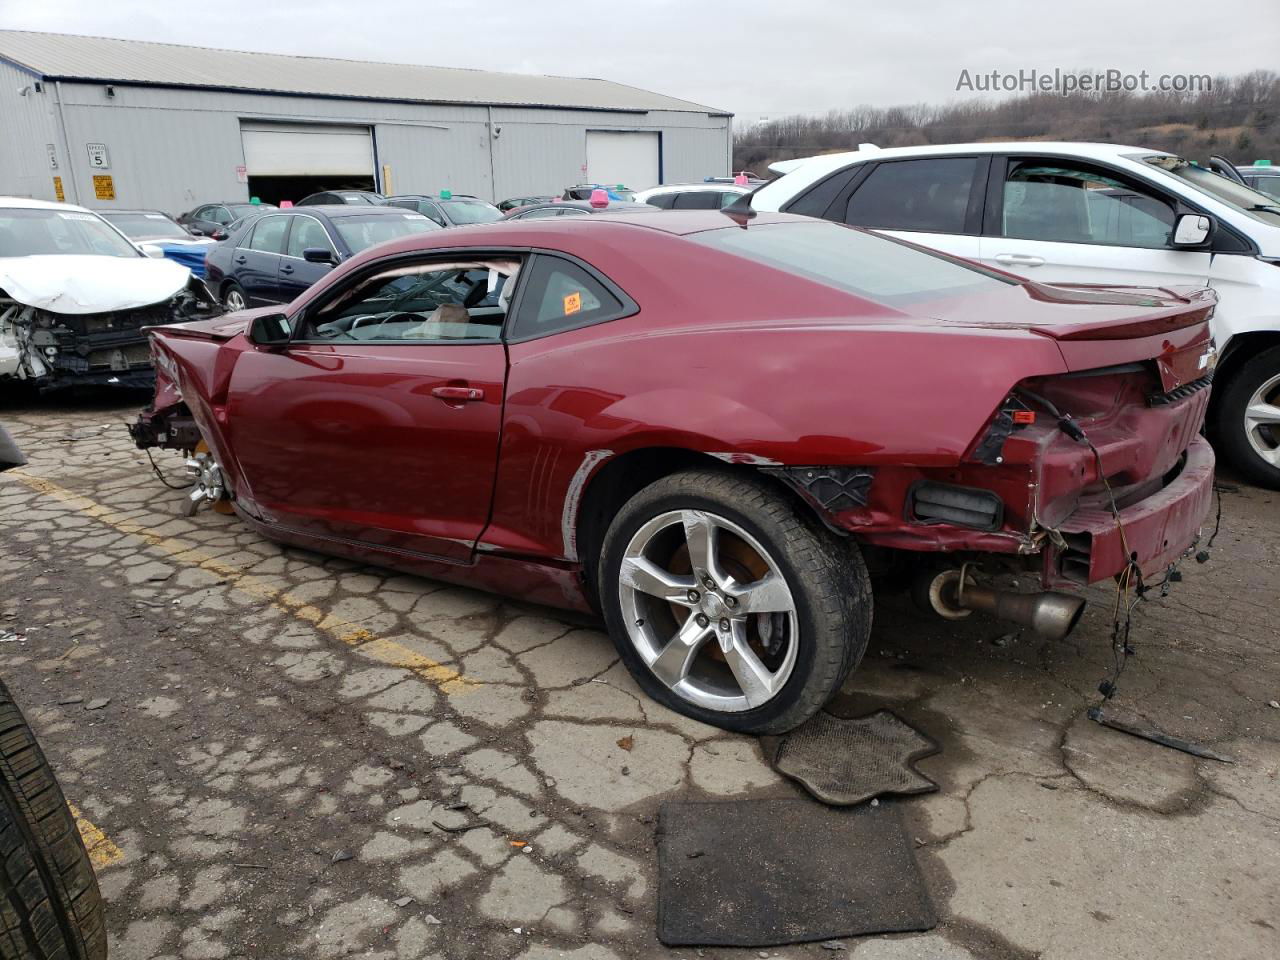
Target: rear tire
(234,298)
(50,907)
(1243,440)
(786,604)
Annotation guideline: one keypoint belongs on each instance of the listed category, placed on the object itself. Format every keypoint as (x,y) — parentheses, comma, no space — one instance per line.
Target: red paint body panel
(349,448)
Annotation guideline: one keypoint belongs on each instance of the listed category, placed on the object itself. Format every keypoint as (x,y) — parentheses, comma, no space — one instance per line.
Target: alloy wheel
(1262,421)
(708,610)
(235,300)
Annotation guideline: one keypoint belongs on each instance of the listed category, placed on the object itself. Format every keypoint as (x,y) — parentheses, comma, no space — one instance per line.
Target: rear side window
(698,200)
(815,201)
(560,295)
(662,201)
(928,194)
(268,235)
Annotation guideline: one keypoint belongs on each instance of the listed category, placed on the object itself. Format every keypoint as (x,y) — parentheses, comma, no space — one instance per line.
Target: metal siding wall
(26,125)
(537,156)
(173,148)
(428,158)
(689,154)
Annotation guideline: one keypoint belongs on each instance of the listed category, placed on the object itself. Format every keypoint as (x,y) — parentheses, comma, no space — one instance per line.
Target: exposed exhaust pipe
(1051,615)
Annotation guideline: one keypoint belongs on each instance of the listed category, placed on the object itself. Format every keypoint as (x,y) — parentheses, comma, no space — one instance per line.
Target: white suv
(1085,213)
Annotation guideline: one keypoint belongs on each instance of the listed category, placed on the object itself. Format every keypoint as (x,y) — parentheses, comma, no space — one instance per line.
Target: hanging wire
(161,477)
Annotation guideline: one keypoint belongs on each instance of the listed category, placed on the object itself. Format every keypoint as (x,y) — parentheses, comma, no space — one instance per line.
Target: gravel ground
(290,744)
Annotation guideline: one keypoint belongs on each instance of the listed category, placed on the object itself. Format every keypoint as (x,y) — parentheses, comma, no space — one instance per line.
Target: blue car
(273,257)
(155,229)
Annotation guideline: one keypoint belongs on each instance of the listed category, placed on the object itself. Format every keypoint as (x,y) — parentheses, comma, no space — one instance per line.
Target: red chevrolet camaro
(707,429)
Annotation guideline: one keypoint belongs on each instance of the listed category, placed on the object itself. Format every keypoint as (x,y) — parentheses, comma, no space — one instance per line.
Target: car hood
(90,284)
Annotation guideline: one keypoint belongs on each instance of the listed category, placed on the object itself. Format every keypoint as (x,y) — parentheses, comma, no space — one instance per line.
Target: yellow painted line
(102,850)
(353,635)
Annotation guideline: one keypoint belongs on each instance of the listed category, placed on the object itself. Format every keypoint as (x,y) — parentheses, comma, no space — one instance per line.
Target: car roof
(107,213)
(623,205)
(29,204)
(699,185)
(436,196)
(338,210)
(834,161)
(1258,168)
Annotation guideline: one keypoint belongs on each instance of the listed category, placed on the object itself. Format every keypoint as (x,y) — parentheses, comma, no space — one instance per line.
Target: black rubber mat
(758,873)
(844,762)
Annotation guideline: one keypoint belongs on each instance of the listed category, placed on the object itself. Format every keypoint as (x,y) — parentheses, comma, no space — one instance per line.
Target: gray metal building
(123,123)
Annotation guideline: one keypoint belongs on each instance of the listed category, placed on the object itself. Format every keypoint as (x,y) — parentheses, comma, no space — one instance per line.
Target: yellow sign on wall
(57,190)
(103,188)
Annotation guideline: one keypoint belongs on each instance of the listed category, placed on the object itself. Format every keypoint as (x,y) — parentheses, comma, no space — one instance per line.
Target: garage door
(627,158)
(304,149)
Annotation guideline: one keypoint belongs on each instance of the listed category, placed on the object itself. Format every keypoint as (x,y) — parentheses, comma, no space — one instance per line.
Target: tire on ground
(1228,418)
(50,907)
(827,577)
(233,287)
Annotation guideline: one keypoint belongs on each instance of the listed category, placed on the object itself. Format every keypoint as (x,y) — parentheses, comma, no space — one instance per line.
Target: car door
(379,422)
(296,273)
(1063,220)
(256,262)
(933,201)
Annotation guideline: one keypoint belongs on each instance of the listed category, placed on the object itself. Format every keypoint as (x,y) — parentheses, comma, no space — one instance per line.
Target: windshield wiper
(1264,207)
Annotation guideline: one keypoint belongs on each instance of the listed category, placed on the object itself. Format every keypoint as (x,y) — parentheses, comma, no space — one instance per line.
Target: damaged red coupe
(709,430)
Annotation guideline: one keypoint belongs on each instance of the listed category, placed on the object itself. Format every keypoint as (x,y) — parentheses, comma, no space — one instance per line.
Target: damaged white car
(76,295)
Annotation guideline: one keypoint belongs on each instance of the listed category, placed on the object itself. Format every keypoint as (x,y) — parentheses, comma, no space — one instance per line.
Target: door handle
(1019,259)
(241,259)
(458,393)
(287,268)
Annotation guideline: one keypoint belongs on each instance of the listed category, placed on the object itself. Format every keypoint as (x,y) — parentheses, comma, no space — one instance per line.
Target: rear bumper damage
(1158,529)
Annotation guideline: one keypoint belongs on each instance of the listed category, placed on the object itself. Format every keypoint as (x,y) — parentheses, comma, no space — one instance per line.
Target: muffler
(1052,615)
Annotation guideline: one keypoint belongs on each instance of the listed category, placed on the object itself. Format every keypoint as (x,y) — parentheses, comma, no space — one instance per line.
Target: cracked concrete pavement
(302,757)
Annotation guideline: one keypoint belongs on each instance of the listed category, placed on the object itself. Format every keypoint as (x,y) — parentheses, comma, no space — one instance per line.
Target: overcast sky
(752,57)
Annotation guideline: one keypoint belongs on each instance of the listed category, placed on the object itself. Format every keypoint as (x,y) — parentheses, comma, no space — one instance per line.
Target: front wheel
(728,606)
(1247,419)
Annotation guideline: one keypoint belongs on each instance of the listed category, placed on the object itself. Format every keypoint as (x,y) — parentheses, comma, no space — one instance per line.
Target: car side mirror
(151,250)
(195,231)
(269,330)
(1192,230)
(318,255)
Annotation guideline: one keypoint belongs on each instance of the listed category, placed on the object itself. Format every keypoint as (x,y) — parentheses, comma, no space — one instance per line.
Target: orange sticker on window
(572,303)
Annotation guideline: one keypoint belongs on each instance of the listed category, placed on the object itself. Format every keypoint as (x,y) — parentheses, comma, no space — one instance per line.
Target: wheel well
(1240,349)
(623,477)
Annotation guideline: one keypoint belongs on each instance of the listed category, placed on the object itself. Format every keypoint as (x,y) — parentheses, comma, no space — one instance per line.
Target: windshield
(1247,200)
(364,231)
(471,211)
(146,226)
(26,233)
(860,263)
